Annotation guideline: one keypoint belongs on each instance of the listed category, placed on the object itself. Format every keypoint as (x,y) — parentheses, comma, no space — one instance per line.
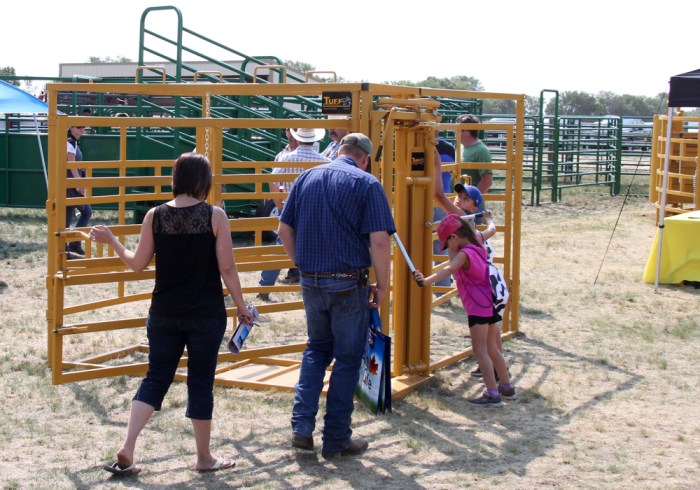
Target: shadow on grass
(529,426)
(21,216)
(535,313)
(434,434)
(439,431)
(10,219)
(10,250)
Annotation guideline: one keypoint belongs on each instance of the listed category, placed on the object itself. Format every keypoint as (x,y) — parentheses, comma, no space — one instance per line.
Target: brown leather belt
(334,275)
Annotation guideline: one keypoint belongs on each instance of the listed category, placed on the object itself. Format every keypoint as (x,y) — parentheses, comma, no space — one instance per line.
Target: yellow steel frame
(401,120)
(410,125)
(683,192)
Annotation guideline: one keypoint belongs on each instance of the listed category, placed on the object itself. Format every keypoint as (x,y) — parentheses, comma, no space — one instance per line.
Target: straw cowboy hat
(308,135)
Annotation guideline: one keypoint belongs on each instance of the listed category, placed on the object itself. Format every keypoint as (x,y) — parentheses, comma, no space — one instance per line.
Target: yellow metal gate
(100,305)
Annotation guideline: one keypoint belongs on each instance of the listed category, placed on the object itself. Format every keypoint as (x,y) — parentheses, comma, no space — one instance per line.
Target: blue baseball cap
(471,191)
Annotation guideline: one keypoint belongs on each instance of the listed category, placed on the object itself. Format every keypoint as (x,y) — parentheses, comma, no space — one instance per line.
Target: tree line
(571,103)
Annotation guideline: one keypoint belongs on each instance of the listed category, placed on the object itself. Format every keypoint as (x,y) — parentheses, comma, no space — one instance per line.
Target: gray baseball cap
(359,140)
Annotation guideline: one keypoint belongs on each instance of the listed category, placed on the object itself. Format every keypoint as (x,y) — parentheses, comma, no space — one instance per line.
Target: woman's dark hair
(467,231)
(192,175)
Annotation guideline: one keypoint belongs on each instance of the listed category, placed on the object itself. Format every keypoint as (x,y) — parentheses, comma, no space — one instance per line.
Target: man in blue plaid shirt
(335,225)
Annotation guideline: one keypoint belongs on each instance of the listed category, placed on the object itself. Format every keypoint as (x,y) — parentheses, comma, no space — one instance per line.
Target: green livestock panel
(22,181)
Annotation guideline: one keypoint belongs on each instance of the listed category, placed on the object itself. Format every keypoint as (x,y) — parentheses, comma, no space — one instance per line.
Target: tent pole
(664,190)
(41,151)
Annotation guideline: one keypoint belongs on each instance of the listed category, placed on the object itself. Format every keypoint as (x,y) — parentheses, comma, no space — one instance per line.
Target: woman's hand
(101,234)
(245,315)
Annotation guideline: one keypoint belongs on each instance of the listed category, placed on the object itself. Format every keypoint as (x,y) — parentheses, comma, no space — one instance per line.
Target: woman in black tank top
(191,242)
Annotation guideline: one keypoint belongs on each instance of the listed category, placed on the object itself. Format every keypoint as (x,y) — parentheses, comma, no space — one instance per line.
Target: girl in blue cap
(469,201)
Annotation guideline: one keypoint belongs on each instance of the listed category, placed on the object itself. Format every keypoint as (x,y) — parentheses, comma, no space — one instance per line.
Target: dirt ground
(604,367)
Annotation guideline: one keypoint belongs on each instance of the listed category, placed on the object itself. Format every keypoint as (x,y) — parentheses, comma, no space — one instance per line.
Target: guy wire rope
(617,221)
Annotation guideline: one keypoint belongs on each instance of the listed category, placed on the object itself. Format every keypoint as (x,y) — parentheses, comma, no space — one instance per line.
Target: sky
(510,46)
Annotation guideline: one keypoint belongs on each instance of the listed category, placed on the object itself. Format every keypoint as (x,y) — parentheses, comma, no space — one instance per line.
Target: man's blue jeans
(269,277)
(167,339)
(337,318)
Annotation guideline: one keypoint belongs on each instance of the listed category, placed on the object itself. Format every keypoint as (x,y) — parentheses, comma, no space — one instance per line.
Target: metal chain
(207,114)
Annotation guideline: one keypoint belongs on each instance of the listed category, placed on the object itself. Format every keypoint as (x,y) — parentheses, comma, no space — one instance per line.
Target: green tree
(9,71)
(109,59)
(300,66)
(461,82)
(575,104)
(631,105)
(407,83)
(495,106)
(532,105)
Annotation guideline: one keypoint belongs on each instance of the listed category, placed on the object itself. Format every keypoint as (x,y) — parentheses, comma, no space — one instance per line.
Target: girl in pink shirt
(469,265)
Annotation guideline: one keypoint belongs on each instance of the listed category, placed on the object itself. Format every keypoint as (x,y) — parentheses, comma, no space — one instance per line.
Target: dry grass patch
(604,367)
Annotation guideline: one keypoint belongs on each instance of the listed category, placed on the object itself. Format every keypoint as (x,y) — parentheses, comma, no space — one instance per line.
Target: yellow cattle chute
(408,157)
(682,189)
(400,120)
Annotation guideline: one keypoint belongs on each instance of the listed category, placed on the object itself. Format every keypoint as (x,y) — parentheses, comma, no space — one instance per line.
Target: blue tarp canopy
(16,101)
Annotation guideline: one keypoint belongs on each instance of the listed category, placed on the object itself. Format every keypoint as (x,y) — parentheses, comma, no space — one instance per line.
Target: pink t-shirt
(473,284)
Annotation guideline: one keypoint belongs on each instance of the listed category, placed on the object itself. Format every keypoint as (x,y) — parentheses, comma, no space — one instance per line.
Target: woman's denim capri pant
(167,338)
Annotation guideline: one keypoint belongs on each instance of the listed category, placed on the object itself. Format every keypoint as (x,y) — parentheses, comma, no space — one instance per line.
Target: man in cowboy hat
(305,152)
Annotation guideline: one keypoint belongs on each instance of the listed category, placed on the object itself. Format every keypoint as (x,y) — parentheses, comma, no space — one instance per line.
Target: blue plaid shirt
(333,208)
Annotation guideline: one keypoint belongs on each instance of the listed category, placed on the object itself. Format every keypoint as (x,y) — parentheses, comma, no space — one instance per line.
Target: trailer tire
(267,209)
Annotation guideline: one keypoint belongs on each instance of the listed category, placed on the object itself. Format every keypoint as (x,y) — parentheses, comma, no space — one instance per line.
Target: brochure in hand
(242,331)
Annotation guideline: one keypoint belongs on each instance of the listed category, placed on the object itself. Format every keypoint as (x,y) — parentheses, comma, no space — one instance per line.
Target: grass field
(604,366)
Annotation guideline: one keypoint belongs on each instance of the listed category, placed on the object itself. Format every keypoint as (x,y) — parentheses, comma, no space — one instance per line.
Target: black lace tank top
(188,282)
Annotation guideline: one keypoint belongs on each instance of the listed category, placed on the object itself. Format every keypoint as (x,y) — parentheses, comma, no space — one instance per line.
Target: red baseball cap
(448,226)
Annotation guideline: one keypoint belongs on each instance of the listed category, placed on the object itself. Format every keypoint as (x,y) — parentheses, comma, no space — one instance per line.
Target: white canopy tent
(684,92)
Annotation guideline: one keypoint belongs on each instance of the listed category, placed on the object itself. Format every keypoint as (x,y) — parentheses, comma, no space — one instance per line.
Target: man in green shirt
(474,150)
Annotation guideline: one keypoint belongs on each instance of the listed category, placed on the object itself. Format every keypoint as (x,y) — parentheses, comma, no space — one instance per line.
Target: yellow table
(680,251)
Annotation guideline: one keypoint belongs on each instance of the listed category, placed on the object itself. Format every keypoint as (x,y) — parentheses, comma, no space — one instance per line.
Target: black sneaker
(76,248)
(290,280)
(476,373)
(303,442)
(487,400)
(355,448)
(263,297)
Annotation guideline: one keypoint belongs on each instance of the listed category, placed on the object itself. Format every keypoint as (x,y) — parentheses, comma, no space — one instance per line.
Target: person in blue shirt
(335,224)
(447,155)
